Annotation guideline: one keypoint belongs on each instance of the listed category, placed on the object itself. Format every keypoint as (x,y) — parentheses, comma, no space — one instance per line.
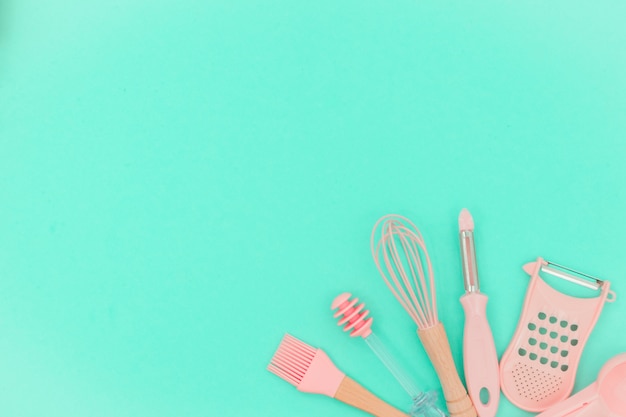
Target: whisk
(401,257)
(351,314)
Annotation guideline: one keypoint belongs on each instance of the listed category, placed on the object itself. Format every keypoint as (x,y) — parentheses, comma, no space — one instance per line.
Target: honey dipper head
(351,314)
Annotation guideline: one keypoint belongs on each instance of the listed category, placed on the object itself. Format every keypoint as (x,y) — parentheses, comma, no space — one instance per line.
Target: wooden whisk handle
(437,347)
(350,392)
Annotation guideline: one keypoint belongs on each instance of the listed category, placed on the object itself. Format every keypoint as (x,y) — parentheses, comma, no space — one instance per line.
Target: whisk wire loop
(415,262)
(400,295)
(406,267)
(411,284)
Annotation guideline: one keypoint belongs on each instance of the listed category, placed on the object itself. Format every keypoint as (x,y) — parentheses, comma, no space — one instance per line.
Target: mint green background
(182,182)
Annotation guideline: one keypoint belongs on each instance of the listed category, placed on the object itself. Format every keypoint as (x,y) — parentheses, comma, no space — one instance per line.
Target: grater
(538,368)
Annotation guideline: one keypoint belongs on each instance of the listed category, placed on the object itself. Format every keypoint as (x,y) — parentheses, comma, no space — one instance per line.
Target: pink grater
(538,368)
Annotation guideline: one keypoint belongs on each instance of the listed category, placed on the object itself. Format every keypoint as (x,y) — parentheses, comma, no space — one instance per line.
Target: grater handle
(437,347)
(480,359)
(585,403)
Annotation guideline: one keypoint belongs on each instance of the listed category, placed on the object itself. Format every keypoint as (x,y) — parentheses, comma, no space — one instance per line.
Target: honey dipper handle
(437,347)
(350,392)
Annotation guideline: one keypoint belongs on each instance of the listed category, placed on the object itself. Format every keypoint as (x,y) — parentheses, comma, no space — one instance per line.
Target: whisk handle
(437,347)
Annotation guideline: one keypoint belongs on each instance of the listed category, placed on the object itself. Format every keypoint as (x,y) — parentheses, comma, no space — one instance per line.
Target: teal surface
(182,182)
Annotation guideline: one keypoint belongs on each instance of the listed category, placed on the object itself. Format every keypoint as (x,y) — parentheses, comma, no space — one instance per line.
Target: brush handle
(351,393)
(437,347)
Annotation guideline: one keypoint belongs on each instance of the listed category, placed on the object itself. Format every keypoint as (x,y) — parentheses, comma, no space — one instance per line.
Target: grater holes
(553,329)
(534,383)
(544,359)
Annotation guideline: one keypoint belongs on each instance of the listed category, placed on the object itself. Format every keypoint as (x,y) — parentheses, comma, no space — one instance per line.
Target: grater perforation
(528,379)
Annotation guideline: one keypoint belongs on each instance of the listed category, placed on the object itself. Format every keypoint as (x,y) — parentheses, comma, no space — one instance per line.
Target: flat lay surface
(184,182)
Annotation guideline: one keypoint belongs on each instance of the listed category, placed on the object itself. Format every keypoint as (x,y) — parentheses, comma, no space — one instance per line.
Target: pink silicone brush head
(306,368)
(310,370)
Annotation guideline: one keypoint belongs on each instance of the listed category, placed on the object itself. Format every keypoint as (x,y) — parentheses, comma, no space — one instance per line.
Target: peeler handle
(437,347)
(480,360)
(584,404)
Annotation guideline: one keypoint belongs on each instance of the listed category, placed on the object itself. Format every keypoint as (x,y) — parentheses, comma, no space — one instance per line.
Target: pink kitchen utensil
(310,370)
(604,398)
(400,254)
(480,359)
(538,368)
(354,318)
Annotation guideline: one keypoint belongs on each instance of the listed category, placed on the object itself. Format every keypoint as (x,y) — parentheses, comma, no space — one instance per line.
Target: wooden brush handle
(437,347)
(350,392)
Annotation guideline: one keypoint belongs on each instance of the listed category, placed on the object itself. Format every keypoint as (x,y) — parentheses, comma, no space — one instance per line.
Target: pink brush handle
(479,355)
(584,404)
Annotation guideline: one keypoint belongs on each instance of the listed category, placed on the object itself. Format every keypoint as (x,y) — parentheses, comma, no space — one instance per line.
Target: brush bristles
(292,359)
